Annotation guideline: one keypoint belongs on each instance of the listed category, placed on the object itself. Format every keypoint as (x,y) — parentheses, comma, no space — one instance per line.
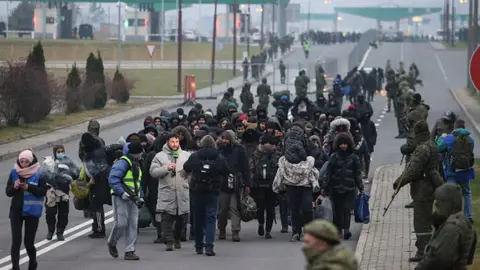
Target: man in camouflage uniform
(391,87)
(319,78)
(400,111)
(416,111)
(322,250)
(301,84)
(264,92)
(422,175)
(454,234)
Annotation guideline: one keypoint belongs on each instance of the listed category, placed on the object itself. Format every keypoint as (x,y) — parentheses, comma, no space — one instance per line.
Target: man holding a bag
(124,180)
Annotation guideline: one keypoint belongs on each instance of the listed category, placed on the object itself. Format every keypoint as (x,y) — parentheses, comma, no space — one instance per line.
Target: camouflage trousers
(422,224)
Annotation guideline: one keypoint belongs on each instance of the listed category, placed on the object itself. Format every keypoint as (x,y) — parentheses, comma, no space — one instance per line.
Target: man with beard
(173,202)
(263,167)
(233,185)
(422,174)
(454,234)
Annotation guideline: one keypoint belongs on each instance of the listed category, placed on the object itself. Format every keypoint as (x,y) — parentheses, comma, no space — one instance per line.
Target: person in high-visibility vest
(127,196)
(306,48)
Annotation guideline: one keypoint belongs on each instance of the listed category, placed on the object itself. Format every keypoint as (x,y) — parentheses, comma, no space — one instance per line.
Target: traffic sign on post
(151,52)
(474,68)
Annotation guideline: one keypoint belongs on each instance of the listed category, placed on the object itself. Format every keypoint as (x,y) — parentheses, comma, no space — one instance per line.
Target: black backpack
(461,155)
(265,171)
(205,174)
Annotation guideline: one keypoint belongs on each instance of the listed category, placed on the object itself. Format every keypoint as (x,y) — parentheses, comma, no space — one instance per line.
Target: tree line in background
(29,93)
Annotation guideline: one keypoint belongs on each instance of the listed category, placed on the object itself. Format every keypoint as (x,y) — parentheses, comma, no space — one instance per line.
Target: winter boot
(209,251)
(113,251)
(222,235)
(169,246)
(235,236)
(60,236)
(49,236)
(261,230)
(131,256)
(177,244)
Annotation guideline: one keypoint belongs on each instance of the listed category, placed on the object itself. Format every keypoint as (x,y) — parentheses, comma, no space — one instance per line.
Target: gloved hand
(395,185)
(141,200)
(125,196)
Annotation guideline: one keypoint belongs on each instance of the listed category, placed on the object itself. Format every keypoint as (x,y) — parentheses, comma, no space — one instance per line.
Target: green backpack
(461,155)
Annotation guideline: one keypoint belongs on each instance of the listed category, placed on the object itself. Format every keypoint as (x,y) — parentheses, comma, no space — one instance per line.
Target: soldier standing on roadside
(454,234)
(422,175)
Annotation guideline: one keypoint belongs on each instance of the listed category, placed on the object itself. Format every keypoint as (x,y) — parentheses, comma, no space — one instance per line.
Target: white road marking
(365,56)
(45,241)
(56,245)
(377,124)
(441,67)
(382,116)
(379,120)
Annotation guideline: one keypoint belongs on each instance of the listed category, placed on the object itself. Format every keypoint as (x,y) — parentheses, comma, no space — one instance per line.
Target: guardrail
(20,33)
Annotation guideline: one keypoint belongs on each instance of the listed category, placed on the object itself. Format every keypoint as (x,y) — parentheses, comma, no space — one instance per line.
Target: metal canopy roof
(387,13)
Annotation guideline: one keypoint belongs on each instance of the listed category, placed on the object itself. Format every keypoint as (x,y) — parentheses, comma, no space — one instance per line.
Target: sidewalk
(68,133)
(387,242)
(65,134)
(470,105)
(438,45)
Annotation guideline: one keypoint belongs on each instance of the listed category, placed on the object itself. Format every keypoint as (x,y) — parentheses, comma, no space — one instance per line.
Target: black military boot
(417,258)
(410,205)
(49,236)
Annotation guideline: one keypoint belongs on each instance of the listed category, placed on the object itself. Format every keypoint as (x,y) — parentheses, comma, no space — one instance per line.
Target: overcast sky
(349,22)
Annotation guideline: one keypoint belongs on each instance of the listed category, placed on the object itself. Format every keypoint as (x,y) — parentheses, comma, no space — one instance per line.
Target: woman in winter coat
(63,170)
(344,177)
(27,186)
(299,180)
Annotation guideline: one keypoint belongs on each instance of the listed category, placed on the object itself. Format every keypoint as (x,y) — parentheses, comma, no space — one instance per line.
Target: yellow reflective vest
(128,179)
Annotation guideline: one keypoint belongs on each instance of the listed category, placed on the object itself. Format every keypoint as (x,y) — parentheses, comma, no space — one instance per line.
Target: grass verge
(458,45)
(76,50)
(160,82)
(475,187)
(55,121)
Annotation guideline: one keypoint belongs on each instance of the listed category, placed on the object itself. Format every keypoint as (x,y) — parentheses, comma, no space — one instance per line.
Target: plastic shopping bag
(361,210)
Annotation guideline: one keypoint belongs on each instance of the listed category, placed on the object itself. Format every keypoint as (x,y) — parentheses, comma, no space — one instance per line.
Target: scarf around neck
(28,171)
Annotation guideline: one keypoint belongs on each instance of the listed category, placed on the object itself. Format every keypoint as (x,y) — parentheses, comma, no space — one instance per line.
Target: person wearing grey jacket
(173,190)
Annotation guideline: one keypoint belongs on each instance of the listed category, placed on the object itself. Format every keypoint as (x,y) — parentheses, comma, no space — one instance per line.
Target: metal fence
(356,55)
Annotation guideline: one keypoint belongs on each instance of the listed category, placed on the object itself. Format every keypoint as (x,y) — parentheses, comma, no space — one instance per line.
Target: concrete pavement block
(385,242)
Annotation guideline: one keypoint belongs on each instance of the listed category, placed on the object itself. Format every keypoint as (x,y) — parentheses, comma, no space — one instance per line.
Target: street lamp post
(179,44)
(214,41)
(119,33)
(453,23)
(309,15)
(235,37)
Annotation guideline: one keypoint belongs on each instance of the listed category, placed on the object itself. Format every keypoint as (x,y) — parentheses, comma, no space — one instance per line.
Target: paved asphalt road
(253,252)
(79,252)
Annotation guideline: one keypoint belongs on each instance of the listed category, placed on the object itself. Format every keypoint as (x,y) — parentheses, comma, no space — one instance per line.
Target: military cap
(323,230)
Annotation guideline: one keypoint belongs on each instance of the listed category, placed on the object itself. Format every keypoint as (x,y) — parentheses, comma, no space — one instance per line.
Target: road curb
(470,118)
(49,144)
(181,102)
(362,240)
